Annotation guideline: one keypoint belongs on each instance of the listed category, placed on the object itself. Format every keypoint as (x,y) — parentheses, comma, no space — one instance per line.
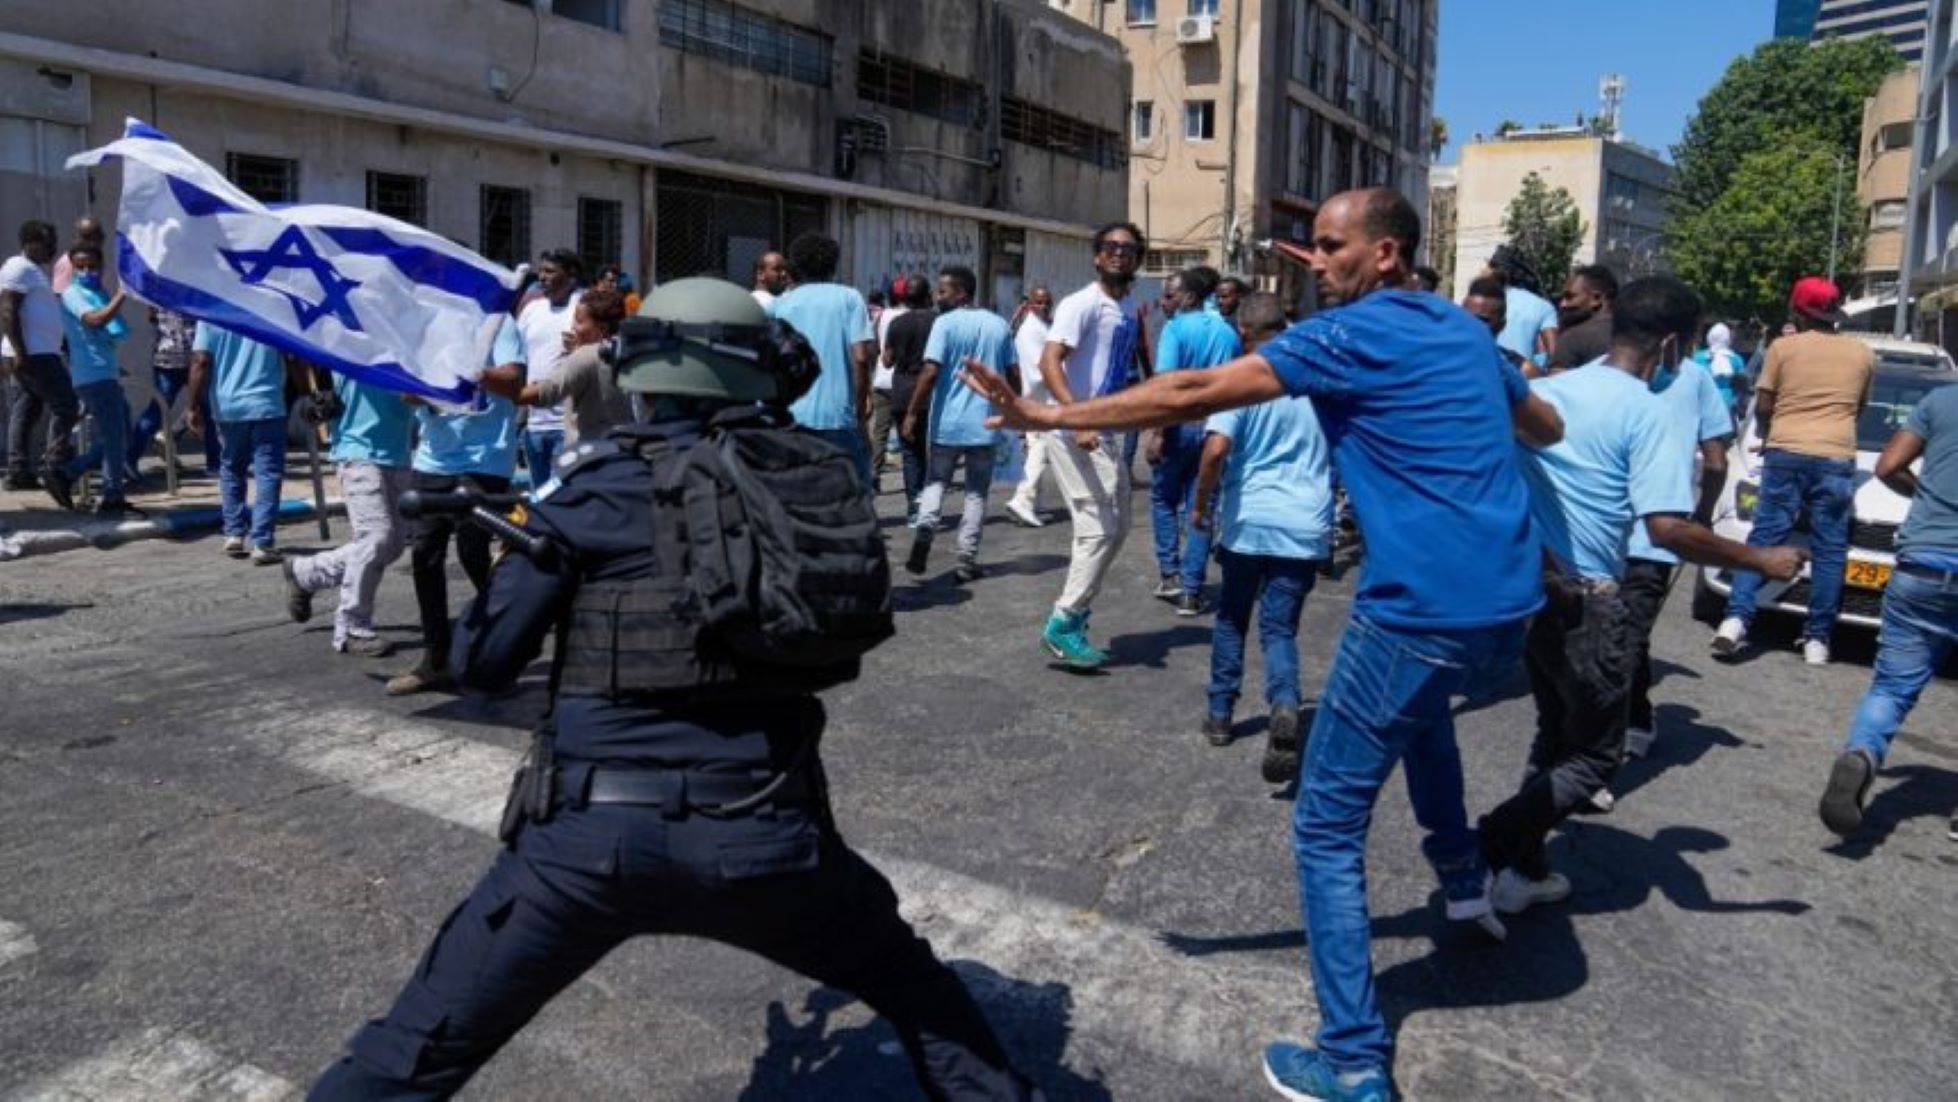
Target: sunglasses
(1119,248)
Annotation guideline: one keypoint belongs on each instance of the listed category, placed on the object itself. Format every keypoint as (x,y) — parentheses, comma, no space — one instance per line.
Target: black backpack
(783,544)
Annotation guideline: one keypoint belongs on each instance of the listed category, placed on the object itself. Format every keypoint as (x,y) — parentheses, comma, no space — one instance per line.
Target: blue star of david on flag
(292,251)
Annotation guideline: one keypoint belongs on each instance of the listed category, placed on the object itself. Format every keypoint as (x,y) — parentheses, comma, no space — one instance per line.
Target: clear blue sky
(1540,61)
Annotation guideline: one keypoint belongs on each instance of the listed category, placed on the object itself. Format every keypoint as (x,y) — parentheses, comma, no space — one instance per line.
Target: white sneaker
(1602,801)
(1730,637)
(1639,740)
(1023,515)
(1815,652)
(1514,893)
(234,546)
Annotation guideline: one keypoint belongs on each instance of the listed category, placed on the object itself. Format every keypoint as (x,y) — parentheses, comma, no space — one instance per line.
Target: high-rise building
(1795,18)
(1929,260)
(1900,21)
(1247,114)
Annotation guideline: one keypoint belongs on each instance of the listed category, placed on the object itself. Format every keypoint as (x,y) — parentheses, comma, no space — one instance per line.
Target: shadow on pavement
(1683,740)
(815,1060)
(1899,795)
(1151,648)
(21,613)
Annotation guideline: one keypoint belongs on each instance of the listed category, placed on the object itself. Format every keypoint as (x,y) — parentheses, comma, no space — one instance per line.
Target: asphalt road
(222,848)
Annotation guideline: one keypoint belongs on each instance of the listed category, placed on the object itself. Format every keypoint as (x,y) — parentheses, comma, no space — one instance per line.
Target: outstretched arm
(1170,399)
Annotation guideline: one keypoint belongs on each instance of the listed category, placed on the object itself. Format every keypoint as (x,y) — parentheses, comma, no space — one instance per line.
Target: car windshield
(1891,400)
(1920,361)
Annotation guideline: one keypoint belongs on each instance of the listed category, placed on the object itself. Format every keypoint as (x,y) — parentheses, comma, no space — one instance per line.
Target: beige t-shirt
(597,404)
(1820,382)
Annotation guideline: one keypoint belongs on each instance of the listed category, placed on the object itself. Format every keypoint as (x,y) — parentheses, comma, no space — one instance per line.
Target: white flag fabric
(350,290)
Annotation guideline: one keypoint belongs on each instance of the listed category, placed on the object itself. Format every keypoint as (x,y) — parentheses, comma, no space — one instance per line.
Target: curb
(182,522)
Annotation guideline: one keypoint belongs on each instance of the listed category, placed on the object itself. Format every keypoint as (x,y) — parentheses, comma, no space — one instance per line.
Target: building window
(504,227)
(398,196)
(266,179)
(1302,16)
(746,39)
(1200,120)
(895,82)
(1142,13)
(601,232)
(1056,132)
(1894,135)
(1204,7)
(1168,261)
(1145,120)
(598,13)
(714,227)
(1297,182)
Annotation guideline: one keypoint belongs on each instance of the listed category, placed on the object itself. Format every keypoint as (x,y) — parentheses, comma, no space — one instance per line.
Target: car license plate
(1867,575)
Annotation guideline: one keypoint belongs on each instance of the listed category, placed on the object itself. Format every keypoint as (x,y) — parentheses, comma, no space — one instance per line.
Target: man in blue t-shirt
(835,320)
(93,319)
(247,383)
(1618,464)
(1529,319)
(957,435)
(1920,605)
(370,445)
(1419,408)
(1196,337)
(472,449)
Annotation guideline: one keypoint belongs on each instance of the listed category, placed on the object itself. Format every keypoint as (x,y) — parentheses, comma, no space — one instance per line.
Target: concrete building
(1620,190)
(1442,222)
(1929,257)
(1900,21)
(1248,113)
(1883,181)
(679,137)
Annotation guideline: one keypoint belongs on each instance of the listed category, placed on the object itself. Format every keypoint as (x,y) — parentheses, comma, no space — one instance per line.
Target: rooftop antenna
(1612,91)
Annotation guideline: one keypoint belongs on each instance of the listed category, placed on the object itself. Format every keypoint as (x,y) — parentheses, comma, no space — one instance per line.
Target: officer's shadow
(813,1059)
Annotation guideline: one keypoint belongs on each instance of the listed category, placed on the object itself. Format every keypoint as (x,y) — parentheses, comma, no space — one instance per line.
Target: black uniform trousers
(1577,653)
(781,884)
(430,557)
(1645,588)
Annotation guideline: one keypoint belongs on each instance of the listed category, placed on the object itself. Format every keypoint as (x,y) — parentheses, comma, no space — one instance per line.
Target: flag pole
(313,431)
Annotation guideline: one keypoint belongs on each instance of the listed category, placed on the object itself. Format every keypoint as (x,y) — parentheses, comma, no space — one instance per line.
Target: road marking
(15,942)
(1124,982)
(158,1065)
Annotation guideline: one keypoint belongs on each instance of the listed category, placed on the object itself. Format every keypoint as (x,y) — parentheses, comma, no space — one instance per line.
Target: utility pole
(1835,221)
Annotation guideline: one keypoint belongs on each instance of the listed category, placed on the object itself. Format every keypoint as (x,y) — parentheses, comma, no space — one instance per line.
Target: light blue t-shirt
(376,428)
(1525,316)
(834,319)
(248,379)
(958,416)
(1197,338)
(1694,415)
(1276,496)
(91,349)
(1615,464)
(1930,531)
(482,439)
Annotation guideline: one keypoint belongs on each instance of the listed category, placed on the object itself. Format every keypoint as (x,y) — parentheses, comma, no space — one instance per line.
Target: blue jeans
(105,403)
(540,448)
(1386,700)
(1824,489)
(851,441)
(1278,587)
(256,449)
(1172,503)
(1920,627)
(170,382)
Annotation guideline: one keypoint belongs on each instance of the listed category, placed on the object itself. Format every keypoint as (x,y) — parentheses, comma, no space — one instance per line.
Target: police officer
(701,813)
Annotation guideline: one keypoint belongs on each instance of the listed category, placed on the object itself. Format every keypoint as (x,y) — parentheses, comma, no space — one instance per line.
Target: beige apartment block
(1246,114)
(1883,178)
(678,137)
(1620,190)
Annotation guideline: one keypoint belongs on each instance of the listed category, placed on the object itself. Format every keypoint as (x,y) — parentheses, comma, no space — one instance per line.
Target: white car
(1905,372)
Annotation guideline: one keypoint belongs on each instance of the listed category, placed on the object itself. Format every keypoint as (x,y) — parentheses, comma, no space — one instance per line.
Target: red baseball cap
(1816,297)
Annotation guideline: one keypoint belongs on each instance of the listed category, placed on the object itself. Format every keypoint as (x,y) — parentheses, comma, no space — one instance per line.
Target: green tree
(1784,90)
(1769,226)
(1437,137)
(1543,225)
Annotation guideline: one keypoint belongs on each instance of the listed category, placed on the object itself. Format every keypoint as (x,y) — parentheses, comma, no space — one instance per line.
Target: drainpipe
(1230,162)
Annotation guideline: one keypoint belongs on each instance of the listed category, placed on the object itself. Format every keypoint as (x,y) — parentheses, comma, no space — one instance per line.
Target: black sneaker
(1217,730)
(920,552)
(1191,604)
(19,482)
(61,488)
(117,507)
(968,569)
(299,599)
(1849,786)
(1281,761)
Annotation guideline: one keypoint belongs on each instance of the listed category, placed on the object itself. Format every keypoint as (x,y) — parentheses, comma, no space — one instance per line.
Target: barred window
(601,232)
(748,39)
(398,196)
(505,224)
(1170,261)
(895,82)
(266,179)
(1044,128)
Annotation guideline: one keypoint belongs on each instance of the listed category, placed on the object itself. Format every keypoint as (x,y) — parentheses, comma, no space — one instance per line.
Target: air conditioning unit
(1194,30)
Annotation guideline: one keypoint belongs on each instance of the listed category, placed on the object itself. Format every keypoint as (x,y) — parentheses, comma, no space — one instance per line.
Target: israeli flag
(377,299)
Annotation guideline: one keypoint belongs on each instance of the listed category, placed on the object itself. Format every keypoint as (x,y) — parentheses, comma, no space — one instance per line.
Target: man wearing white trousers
(1029,345)
(371,446)
(1090,347)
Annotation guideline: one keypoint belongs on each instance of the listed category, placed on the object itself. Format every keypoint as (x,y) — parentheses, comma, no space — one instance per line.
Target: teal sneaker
(1066,637)
(1301,1074)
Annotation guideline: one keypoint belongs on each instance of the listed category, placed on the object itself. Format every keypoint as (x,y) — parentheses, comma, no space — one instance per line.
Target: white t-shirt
(40,311)
(766,298)
(1029,345)
(885,377)
(543,327)
(1100,334)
